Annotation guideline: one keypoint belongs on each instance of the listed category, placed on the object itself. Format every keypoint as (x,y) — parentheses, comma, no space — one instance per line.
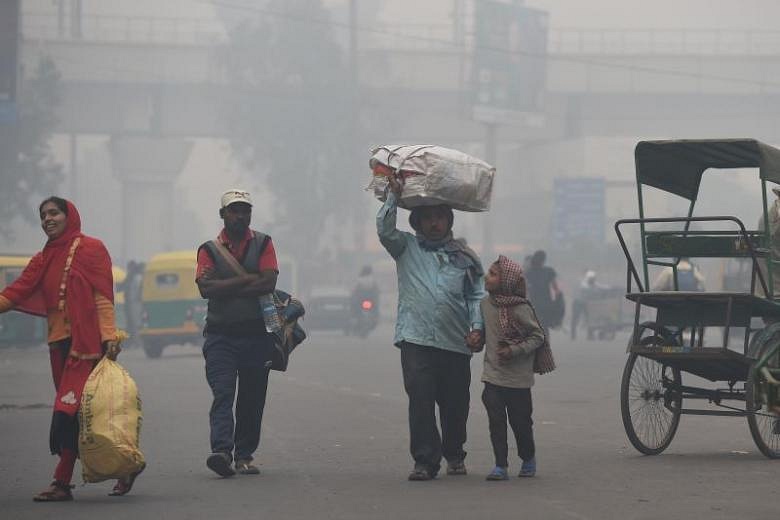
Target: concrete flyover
(139,75)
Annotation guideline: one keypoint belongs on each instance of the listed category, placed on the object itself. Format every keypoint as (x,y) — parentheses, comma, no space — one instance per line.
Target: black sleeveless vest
(238,312)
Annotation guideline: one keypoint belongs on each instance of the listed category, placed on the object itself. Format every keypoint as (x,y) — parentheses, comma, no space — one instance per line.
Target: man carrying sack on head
(439,326)
(238,346)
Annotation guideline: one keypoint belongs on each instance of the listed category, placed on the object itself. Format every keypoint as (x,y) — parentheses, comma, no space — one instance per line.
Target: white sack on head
(434,175)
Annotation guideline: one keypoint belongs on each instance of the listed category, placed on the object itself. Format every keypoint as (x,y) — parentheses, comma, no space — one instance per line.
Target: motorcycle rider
(366,289)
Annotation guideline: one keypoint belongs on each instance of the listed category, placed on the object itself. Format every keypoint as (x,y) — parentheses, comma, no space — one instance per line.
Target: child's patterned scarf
(511,293)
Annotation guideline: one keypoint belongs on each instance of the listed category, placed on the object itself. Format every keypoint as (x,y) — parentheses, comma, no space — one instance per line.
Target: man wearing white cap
(233,271)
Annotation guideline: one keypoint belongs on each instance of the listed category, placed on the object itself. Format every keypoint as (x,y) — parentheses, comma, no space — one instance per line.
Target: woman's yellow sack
(110,424)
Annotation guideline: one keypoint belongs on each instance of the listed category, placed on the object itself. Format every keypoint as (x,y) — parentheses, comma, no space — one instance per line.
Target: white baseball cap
(235,195)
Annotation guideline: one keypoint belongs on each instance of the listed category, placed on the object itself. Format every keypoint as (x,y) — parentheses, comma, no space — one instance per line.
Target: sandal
(124,485)
(456,467)
(57,492)
(245,467)
(420,473)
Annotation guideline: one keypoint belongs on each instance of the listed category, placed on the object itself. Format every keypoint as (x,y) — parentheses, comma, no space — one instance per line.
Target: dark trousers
(433,377)
(501,401)
(243,360)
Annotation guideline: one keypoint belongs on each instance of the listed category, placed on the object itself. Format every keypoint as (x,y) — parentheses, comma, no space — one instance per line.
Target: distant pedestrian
(689,278)
(543,291)
(512,336)
(590,289)
(238,346)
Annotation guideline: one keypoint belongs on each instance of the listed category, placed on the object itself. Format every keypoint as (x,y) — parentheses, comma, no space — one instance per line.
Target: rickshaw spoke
(650,425)
(763,423)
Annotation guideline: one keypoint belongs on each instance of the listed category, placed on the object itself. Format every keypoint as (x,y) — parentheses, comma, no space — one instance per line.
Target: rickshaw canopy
(171,276)
(172,260)
(14,260)
(676,166)
(14,263)
(119,274)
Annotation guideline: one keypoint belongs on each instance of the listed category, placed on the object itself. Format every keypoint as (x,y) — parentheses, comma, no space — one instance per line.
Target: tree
(28,168)
(293,120)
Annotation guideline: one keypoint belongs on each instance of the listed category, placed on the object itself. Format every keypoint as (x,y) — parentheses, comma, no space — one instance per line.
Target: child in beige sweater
(512,335)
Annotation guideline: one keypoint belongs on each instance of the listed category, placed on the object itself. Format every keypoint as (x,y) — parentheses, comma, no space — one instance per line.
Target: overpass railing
(441,37)
(123,29)
(663,41)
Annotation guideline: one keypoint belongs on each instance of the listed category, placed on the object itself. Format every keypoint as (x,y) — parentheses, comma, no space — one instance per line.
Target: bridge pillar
(148,168)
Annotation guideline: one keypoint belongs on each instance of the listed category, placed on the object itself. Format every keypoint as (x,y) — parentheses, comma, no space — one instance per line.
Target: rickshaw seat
(682,308)
(702,244)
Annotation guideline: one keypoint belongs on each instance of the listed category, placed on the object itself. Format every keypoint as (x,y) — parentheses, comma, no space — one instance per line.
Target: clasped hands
(475,340)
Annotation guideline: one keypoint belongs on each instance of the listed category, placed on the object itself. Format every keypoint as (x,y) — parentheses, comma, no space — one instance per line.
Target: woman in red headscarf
(70,283)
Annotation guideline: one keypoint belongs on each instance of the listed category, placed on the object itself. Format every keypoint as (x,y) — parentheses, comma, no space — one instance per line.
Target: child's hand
(504,352)
(474,341)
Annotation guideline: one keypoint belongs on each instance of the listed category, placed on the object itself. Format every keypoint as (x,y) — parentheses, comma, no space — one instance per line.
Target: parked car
(329,308)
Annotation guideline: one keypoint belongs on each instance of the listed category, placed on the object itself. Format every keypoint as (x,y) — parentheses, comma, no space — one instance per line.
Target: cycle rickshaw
(653,395)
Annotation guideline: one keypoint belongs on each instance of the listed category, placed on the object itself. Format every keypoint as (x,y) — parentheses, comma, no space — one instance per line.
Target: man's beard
(238,228)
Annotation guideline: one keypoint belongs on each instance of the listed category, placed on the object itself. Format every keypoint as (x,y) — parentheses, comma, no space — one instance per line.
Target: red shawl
(39,289)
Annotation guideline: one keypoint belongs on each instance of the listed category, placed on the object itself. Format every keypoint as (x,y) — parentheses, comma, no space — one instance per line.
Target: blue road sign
(579,210)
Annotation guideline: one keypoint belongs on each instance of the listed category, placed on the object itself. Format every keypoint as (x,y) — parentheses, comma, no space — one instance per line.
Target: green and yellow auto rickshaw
(16,328)
(173,310)
(119,297)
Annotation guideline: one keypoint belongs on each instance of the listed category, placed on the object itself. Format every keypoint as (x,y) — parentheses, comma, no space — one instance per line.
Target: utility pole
(10,34)
(353,44)
(354,73)
(10,13)
(61,19)
(76,14)
(75,19)
(488,246)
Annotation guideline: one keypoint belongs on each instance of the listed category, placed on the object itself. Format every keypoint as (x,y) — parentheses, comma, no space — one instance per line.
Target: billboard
(510,46)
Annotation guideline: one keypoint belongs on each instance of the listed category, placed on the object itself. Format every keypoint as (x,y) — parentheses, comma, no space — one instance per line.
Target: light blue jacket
(437,304)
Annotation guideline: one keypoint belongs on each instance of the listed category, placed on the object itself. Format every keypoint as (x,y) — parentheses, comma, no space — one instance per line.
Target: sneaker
(245,467)
(528,468)
(498,473)
(421,472)
(219,463)
(456,467)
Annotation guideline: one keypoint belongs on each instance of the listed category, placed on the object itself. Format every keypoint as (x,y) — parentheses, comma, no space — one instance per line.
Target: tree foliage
(27,164)
(293,120)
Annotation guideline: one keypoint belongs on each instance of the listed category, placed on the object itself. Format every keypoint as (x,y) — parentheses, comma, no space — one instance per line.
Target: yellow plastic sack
(110,424)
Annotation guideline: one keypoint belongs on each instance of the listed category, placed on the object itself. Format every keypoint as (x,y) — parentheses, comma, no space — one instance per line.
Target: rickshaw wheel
(650,425)
(764,430)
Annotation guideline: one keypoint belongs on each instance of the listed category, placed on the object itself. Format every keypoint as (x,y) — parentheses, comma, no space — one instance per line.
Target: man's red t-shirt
(267,258)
